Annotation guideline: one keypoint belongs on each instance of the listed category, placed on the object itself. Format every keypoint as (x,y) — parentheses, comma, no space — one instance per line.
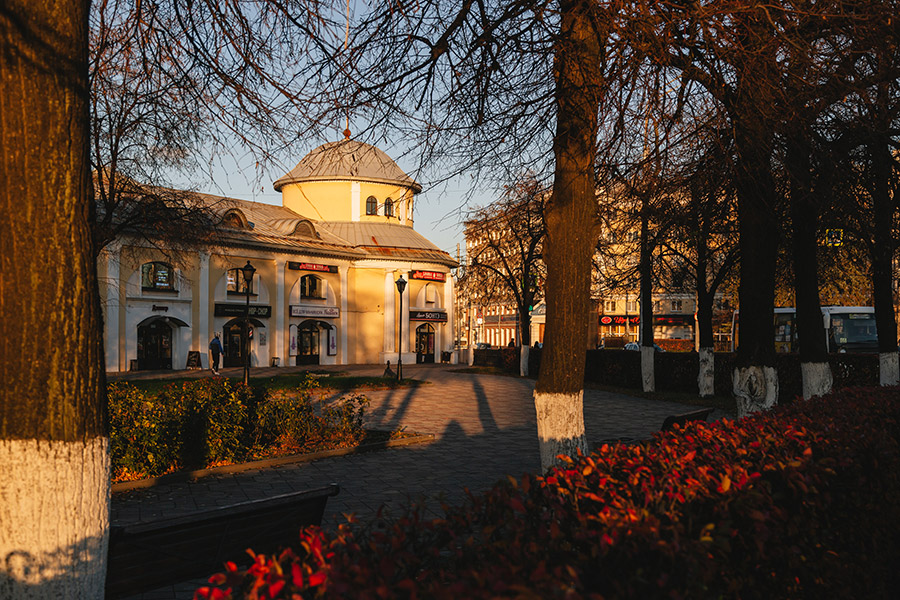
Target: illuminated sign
(303,266)
(428,275)
(620,319)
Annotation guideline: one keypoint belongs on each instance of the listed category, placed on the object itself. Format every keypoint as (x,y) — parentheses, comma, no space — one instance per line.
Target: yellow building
(324,291)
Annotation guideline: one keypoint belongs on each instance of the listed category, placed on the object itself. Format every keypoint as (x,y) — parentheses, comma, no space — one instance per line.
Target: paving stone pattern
(484,428)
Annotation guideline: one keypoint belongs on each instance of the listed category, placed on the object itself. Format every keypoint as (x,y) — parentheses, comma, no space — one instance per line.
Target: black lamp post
(401,285)
(248,270)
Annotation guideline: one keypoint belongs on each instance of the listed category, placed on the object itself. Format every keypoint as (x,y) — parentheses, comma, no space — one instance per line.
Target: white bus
(846,329)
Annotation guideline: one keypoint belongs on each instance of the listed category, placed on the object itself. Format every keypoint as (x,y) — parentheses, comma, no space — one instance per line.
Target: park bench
(150,555)
(668,423)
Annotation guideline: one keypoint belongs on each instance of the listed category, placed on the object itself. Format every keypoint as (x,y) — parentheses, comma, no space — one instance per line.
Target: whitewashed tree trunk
(889,368)
(706,382)
(755,388)
(471,356)
(648,378)
(560,423)
(42,556)
(817,379)
(523,360)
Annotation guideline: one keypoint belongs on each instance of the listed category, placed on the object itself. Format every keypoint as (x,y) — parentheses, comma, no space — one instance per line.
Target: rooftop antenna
(347,132)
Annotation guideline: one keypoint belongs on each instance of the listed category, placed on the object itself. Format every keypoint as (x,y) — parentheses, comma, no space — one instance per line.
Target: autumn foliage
(795,503)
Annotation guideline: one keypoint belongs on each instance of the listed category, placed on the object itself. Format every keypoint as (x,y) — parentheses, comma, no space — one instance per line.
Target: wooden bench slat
(148,555)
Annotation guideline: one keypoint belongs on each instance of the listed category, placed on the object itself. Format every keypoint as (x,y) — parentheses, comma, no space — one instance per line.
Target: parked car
(635,347)
(482,346)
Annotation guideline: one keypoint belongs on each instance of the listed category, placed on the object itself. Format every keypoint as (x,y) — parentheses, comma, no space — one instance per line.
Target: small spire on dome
(347,133)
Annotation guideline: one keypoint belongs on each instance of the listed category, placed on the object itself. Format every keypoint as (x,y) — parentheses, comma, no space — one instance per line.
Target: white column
(404,320)
(281,307)
(113,285)
(345,291)
(450,306)
(390,290)
(354,201)
(203,310)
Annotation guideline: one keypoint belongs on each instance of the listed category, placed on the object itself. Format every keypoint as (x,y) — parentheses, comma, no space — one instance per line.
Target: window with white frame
(676,305)
(609,305)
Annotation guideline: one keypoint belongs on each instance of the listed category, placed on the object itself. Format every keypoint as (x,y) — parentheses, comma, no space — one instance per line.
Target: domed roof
(348,159)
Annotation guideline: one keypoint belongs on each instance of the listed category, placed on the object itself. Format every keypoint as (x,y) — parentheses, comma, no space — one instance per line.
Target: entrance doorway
(308,343)
(425,343)
(154,346)
(234,351)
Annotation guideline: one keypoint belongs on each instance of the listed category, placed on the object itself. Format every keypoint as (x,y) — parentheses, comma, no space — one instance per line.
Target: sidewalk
(484,428)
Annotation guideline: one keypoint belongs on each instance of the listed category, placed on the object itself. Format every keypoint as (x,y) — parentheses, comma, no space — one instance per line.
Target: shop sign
(304,266)
(425,315)
(620,319)
(674,320)
(158,307)
(237,310)
(330,312)
(428,275)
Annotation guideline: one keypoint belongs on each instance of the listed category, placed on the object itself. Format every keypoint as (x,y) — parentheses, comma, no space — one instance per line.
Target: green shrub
(141,432)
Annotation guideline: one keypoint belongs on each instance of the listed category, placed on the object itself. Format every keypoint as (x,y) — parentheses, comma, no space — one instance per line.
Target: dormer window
(305,229)
(371,206)
(235,219)
(312,287)
(157,276)
(389,208)
(235,283)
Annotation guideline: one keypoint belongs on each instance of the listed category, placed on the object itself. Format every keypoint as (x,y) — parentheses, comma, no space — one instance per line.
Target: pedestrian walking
(215,347)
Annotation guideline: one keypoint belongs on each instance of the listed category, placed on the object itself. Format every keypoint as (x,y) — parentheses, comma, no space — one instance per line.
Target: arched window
(235,283)
(311,287)
(371,206)
(389,208)
(157,276)
(235,219)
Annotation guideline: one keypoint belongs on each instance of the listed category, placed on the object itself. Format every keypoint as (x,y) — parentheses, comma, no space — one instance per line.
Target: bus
(846,329)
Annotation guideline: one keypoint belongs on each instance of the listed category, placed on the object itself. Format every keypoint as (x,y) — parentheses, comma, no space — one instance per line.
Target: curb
(184,476)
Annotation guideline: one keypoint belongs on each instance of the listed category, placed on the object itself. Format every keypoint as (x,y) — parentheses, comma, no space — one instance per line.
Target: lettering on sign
(428,275)
(425,315)
(237,310)
(303,266)
(620,320)
(331,312)
(162,308)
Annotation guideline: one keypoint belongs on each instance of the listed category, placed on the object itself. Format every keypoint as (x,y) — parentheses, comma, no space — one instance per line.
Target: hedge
(209,421)
(677,371)
(799,502)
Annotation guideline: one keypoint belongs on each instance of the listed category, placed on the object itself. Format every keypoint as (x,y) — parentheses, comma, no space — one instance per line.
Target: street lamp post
(401,285)
(248,270)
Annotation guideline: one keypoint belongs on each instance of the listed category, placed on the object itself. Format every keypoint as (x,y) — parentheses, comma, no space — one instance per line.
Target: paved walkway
(484,428)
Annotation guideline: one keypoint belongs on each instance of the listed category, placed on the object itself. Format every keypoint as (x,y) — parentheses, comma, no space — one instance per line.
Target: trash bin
(445,357)
(274,362)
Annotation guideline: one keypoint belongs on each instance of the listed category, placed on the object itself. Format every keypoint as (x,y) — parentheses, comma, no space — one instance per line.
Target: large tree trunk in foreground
(883,246)
(54,488)
(571,235)
(814,367)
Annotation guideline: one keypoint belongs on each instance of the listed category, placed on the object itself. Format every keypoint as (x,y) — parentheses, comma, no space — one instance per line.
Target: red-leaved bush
(800,502)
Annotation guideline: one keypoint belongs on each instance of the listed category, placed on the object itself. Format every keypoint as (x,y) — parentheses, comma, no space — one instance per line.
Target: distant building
(324,291)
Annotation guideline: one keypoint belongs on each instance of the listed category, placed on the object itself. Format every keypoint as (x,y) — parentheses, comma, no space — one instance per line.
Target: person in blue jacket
(215,347)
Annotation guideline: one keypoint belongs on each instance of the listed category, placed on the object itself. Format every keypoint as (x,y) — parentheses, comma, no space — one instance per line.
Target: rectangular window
(631,306)
(609,305)
(234,282)
(157,276)
(676,305)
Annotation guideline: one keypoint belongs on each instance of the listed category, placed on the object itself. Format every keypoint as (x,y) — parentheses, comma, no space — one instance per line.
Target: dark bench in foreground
(669,423)
(146,556)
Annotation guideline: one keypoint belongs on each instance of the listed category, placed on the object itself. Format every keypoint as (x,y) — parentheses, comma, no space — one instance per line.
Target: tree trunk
(706,374)
(883,246)
(571,235)
(648,379)
(755,380)
(814,367)
(54,490)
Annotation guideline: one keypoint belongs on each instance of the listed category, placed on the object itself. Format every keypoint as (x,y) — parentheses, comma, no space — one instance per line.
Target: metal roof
(348,159)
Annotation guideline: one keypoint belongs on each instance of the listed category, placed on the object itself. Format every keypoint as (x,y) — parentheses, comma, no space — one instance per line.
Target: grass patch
(328,381)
